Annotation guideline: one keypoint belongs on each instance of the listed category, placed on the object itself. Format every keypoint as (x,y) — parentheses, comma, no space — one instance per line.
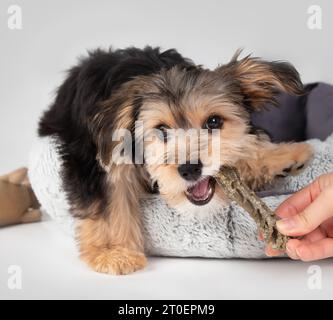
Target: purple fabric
(299,118)
(319,111)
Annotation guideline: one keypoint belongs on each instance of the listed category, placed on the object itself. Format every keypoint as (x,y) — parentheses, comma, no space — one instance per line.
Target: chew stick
(239,192)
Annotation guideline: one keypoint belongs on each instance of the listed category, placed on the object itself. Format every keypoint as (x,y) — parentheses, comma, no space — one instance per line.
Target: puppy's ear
(114,114)
(260,80)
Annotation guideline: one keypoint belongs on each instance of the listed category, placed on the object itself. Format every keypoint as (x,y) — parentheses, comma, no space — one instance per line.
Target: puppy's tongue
(201,189)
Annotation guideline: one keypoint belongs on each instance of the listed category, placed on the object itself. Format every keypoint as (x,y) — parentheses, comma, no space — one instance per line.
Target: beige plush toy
(18,203)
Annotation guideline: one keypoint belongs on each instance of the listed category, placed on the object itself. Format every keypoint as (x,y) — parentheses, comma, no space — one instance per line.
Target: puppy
(111,91)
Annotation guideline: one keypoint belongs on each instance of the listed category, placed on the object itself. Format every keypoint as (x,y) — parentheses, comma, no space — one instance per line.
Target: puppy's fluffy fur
(110,90)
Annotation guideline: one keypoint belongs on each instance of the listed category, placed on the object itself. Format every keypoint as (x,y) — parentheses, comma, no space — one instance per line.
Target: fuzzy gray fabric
(227,233)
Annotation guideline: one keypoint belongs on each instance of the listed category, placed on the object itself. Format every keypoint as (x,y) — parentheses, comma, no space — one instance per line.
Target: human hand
(308,214)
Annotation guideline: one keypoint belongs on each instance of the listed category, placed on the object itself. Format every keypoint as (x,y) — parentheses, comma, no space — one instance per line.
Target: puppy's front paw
(295,160)
(116,261)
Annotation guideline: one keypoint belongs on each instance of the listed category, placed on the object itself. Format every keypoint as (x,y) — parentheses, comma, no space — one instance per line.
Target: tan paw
(295,160)
(116,261)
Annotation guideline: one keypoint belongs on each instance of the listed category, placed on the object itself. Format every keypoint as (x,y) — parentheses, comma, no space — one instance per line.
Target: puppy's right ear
(260,81)
(112,115)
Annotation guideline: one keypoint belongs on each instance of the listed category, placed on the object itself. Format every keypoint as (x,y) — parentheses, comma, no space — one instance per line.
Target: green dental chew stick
(239,192)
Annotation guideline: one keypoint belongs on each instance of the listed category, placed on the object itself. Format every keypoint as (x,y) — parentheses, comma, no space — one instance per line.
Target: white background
(54,34)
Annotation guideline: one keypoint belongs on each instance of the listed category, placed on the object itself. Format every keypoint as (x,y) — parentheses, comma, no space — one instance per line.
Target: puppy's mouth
(202,192)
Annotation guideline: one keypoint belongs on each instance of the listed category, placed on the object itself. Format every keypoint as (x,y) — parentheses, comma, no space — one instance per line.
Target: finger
(291,247)
(310,218)
(321,249)
(299,200)
(315,235)
(293,244)
(272,253)
(260,236)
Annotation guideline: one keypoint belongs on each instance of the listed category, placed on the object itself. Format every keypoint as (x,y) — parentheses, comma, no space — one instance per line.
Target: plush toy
(18,203)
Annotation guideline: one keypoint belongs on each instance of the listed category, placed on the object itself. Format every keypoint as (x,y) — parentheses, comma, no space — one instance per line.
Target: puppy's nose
(190,171)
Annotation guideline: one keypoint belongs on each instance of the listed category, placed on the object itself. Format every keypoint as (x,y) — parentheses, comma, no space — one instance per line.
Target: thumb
(310,218)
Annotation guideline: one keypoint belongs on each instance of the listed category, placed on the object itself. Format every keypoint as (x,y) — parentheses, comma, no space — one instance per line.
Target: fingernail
(286,224)
(291,254)
(298,253)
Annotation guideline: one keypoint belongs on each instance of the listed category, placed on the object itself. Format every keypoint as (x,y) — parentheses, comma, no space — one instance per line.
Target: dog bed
(227,233)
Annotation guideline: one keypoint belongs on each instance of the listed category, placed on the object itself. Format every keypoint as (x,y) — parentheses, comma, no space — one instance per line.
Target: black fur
(89,83)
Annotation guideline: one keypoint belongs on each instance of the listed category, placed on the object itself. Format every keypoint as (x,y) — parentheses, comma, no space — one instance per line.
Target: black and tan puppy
(114,90)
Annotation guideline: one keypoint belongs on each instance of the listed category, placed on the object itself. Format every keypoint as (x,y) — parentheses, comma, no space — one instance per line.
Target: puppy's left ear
(260,80)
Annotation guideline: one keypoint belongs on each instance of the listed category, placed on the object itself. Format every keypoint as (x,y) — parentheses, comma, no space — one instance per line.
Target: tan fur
(259,79)
(97,250)
(197,107)
(272,160)
(114,243)
(258,160)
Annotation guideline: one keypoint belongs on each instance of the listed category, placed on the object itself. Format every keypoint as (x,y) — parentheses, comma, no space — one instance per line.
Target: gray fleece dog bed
(226,233)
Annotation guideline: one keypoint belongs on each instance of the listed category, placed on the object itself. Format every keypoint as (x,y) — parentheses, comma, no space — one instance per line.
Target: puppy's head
(189,123)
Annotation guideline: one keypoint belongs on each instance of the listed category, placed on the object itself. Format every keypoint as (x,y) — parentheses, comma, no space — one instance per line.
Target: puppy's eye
(213,122)
(162,132)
